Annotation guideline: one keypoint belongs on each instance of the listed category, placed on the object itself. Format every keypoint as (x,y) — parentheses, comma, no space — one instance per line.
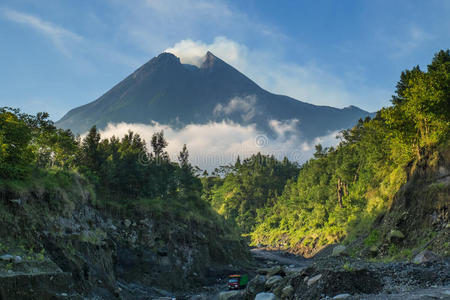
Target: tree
(15,152)
(183,157)
(159,144)
(90,156)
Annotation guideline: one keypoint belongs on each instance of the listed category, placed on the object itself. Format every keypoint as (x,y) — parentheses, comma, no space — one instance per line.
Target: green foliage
(15,152)
(247,187)
(341,190)
(372,239)
(28,141)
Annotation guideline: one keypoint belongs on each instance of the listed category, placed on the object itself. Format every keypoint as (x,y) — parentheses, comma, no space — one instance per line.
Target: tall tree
(159,143)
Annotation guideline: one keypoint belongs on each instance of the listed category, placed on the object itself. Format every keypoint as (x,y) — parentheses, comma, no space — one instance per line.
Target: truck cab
(237,281)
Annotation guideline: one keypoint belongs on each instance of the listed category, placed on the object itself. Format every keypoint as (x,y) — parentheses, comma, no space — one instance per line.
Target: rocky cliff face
(55,243)
(418,217)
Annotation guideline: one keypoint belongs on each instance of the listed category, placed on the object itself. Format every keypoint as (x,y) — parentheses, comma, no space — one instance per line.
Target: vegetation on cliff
(344,189)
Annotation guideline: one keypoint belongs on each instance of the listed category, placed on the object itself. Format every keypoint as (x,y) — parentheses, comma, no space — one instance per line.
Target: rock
(395,235)
(287,291)
(64,294)
(373,249)
(314,279)
(339,250)
(256,285)
(17,259)
(162,251)
(277,270)
(127,223)
(199,297)
(272,281)
(424,257)
(230,295)
(164,261)
(7,257)
(265,296)
(16,201)
(291,266)
(342,296)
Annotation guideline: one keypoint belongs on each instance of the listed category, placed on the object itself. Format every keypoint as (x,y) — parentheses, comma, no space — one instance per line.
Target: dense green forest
(341,191)
(238,191)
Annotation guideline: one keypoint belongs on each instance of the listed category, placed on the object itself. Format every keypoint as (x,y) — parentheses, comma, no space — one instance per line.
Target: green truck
(237,281)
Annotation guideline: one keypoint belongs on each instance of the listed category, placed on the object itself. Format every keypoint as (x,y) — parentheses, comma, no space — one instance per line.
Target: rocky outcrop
(339,250)
(425,257)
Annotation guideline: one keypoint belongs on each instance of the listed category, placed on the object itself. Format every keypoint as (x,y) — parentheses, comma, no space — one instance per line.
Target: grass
(372,239)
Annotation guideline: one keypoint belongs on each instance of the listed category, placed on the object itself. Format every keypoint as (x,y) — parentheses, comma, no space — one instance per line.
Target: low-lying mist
(220,143)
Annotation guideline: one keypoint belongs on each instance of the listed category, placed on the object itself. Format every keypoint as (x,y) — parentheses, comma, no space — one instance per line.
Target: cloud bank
(244,106)
(220,143)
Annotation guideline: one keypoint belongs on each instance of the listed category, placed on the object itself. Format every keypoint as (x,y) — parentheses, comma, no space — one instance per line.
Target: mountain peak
(166,57)
(210,60)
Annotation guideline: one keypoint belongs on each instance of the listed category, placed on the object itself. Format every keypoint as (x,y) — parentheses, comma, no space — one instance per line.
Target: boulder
(272,281)
(256,285)
(17,259)
(265,296)
(395,235)
(342,296)
(7,257)
(231,295)
(276,271)
(127,223)
(339,250)
(373,250)
(424,257)
(199,297)
(314,279)
(287,291)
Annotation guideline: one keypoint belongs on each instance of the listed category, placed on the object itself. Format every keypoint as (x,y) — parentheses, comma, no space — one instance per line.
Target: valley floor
(282,275)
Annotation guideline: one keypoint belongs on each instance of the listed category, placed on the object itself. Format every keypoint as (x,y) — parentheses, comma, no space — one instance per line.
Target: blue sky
(56,55)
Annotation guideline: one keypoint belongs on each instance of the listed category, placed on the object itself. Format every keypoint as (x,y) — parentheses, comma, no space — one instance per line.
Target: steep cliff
(56,240)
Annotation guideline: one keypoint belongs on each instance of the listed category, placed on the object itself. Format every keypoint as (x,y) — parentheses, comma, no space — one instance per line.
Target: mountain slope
(169,92)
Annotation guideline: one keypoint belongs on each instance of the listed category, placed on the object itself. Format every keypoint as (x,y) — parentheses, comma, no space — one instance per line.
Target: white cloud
(57,34)
(69,43)
(193,52)
(285,127)
(215,144)
(245,106)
